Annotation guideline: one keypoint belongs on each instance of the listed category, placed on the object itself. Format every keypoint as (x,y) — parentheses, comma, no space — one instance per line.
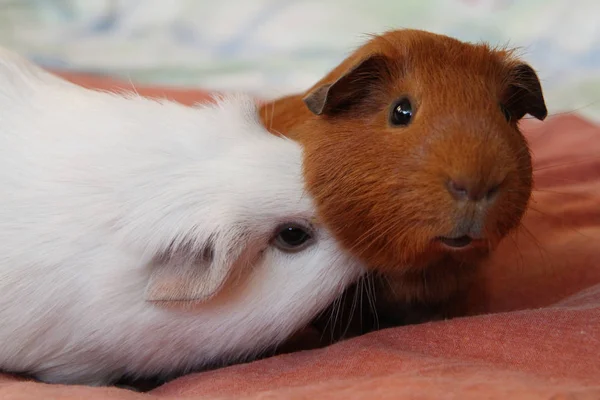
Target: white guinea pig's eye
(293,237)
(402,112)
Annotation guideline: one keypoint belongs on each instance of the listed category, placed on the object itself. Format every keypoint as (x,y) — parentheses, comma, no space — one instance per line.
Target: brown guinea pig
(414,157)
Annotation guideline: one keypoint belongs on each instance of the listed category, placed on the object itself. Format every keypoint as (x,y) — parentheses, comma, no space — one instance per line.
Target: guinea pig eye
(292,238)
(402,113)
(506,112)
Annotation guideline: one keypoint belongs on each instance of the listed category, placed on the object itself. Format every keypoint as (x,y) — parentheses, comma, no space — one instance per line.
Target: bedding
(532,331)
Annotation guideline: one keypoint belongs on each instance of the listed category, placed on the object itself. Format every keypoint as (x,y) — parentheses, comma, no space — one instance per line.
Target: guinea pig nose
(463,189)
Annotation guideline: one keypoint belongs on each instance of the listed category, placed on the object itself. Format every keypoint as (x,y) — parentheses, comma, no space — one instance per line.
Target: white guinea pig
(141,237)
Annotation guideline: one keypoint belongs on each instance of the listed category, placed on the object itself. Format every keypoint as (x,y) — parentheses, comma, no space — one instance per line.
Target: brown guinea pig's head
(413,152)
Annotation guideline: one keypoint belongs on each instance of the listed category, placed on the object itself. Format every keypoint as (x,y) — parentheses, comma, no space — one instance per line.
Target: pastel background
(272,47)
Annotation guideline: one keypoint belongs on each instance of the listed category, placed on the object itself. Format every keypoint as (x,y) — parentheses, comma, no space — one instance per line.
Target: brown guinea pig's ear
(351,88)
(189,272)
(524,95)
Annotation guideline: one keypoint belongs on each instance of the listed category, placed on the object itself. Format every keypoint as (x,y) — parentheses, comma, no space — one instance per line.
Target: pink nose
(471,189)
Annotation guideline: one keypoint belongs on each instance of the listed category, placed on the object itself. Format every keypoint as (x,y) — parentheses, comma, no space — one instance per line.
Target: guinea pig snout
(472,198)
(476,190)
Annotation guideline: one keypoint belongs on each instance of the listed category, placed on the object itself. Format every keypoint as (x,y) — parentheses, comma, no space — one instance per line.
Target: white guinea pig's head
(241,210)
(229,230)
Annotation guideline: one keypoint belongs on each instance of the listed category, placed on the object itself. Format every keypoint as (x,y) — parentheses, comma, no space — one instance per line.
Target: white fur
(94,185)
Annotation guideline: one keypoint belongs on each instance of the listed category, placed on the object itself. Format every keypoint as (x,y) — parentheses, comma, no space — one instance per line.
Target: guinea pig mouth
(461,242)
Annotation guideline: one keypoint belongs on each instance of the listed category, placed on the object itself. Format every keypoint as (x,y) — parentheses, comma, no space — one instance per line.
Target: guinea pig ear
(348,90)
(185,273)
(524,94)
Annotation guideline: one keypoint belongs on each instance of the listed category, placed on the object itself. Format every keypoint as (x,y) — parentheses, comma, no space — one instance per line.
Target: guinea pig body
(414,156)
(142,238)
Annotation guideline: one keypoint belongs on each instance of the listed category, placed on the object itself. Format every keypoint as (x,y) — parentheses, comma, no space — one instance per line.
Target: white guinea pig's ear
(353,87)
(185,273)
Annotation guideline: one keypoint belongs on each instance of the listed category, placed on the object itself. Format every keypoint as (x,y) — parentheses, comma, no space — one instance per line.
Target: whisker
(519,252)
(387,280)
(563,193)
(567,112)
(353,309)
(580,161)
(564,220)
(329,322)
(544,254)
(534,239)
(562,180)
(372,300)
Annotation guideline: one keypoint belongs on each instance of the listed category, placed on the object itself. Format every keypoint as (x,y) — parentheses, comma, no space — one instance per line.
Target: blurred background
(273,47)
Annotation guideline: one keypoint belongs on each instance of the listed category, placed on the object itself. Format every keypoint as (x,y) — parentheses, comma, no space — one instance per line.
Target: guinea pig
(143,238)
(415,160)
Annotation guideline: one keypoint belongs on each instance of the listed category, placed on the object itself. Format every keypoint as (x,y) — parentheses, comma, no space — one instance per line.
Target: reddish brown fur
(382,189)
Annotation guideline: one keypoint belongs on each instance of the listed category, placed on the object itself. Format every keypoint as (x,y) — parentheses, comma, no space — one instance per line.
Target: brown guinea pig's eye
(506,112)
(402,113)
